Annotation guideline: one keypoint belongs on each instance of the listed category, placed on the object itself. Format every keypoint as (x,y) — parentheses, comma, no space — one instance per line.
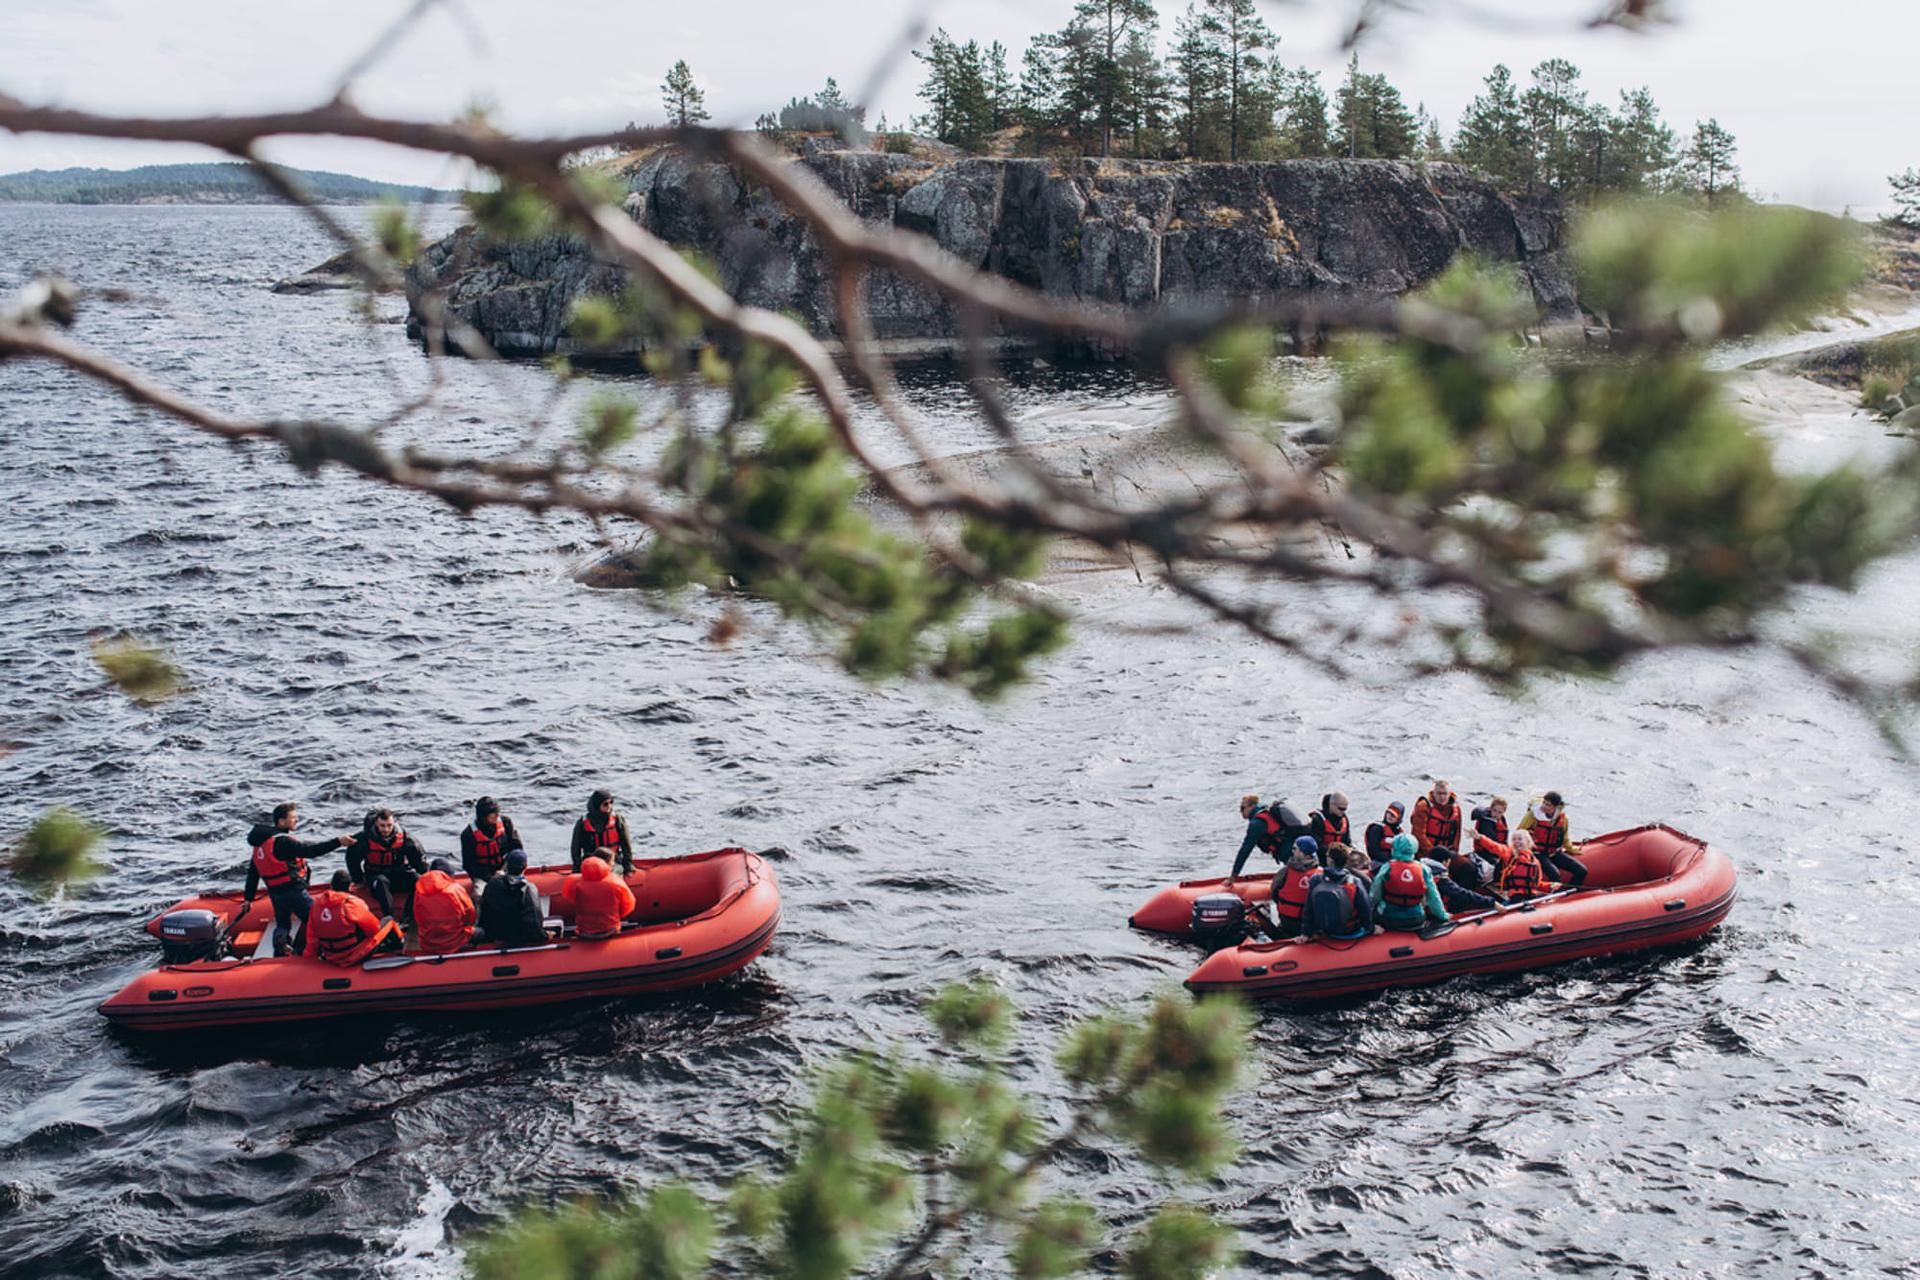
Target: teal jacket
(1392,917)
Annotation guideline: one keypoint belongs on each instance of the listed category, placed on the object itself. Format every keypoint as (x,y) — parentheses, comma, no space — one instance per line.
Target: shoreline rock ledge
(1134,233)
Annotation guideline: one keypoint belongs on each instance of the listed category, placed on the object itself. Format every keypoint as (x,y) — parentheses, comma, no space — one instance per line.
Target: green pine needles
(900,1165)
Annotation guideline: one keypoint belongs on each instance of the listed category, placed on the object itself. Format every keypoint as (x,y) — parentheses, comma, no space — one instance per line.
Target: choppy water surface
(1745,1108)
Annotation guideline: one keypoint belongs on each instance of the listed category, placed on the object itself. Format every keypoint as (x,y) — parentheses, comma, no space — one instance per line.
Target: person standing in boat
(1328,824)
(602,833)
(510,913)
(340,929)
(1380,834)
(1490,821)
(442,911)
(1436,822)
(487,841)
(280,862)
(1546,822)
(387,860)
(1404,892)
(599,898)
(1270,830)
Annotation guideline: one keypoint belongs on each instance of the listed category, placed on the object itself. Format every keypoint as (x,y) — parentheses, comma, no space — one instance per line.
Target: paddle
(380,963)
(1519,904)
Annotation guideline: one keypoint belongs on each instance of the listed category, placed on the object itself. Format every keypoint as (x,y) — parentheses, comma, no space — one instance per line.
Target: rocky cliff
(1135,233)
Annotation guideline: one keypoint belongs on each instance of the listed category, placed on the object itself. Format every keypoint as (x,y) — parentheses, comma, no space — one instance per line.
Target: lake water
(1743,1108)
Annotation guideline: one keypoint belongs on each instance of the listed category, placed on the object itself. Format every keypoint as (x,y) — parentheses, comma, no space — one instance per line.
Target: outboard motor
(190,935)
(1219,919)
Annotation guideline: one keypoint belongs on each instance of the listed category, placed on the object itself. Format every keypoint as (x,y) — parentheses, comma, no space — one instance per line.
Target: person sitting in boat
(280,861)
(510,913)
(1546,821)
(1520,875)
(1328,824)
(1269,830)
(1290,887)
(602,833)
(1339,906)
(1465,883)
(340,928)
(1359,864)
(442,911)
(1436,821)
(600,899)
(1380,834)
(1490,821)
(386,859)
(487,841)
(1404,893)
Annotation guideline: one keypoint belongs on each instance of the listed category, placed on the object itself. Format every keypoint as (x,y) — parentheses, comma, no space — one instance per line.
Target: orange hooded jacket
(443,913)
(600,899)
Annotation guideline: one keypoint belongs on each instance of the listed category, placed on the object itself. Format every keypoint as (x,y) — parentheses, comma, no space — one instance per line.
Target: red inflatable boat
(1648,887)
(696,919)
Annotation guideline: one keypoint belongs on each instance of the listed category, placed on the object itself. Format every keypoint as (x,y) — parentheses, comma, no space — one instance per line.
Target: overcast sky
(1821,94)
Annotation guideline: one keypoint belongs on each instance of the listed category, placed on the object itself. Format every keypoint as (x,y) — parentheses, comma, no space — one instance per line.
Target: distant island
(221,183)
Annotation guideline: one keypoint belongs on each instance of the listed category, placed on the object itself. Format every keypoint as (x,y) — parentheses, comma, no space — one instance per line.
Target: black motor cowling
(191,935)
(1218,916)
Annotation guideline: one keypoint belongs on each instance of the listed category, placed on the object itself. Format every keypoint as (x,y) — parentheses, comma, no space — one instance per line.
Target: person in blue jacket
(1404,894)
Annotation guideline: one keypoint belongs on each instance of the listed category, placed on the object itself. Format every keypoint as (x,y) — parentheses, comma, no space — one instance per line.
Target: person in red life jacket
(1520,875)
(443,914)
(1290,887)
(1404,892)
(485,844)
(1380,834)
(385,859)
(1270,830)
(1490,821)
(1436,822)
(280,862)
(340,928)
(1546,821)
(602,833)
(600,899)
(1328,825)
(1338,905)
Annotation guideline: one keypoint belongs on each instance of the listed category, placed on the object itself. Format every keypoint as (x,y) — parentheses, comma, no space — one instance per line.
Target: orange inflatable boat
(695,919)
(1648,887)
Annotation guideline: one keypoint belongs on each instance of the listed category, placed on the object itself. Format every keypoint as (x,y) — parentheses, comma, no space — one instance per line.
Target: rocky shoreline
(1130,233)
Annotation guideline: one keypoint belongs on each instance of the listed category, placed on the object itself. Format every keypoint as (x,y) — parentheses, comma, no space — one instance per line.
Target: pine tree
(1109,27)
(1038,106)
(1906,198)
(1493,134)
(959,101)
(1372,117)
(685,103)
(1146,106)
(1002,94)
(1642,145)
(1708,159)
(1304,130)
(1432,145)
(1242,39)
(1552,107)
(1197,80)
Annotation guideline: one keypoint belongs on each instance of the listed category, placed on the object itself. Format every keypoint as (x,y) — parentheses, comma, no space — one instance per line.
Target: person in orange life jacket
(1269,830)
(1520,874)
(1380,834)
(599,898)
(386,859)
(1328,825)
(1546,822)
(1490,820)
(510,907)
(1404,893)
(1290,886)
(442,911)
(1338,905)
(1436,821)
(602,833)
(485,844)
(280,861)
(341,930)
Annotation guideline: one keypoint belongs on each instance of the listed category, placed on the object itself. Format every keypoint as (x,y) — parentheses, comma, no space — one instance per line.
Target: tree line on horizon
(1099,86)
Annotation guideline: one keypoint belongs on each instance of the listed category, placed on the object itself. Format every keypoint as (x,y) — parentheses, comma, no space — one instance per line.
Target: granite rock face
(1135,233)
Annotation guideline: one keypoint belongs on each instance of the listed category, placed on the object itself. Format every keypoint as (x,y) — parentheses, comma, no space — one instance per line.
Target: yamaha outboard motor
(1219,919)
(191,935)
